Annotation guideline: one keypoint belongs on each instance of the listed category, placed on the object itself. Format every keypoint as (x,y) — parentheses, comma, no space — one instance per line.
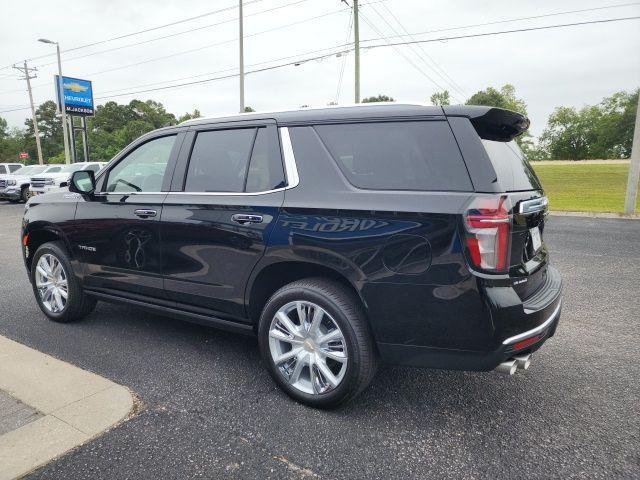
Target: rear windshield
(512,168)
(397,155)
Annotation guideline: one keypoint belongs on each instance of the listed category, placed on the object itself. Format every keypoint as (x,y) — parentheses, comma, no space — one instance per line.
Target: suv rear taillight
(488,232)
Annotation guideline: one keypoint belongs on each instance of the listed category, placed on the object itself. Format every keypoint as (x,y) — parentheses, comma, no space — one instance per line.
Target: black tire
(347,312)
(78,304)
(24,194)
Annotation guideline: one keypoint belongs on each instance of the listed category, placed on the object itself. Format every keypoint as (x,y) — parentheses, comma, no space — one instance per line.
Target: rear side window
(239,160)
(512,168)
(265,169)
(219,161)
(397,155)
(13,168)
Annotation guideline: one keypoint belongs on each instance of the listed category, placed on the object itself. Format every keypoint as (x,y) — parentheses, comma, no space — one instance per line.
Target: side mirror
(82,181)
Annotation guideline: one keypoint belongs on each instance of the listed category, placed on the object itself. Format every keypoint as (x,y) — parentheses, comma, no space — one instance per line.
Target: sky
(570,66)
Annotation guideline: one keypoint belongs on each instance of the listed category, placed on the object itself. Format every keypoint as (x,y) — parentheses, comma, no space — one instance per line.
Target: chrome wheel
(308,347)
(51,283)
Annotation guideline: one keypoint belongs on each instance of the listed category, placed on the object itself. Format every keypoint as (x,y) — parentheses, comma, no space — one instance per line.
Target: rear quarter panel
(408,268)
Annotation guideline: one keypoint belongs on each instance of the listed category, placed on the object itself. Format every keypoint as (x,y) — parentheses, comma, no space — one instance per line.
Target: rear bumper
(519,328)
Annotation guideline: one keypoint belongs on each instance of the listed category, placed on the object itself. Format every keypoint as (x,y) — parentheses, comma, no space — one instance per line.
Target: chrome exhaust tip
(508,368)
(523,361)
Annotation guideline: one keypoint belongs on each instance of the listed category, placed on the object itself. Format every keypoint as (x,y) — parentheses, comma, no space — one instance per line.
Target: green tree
(503,98)
(11,142)
(248,109)
(379,98)
(190,116)
(152,112)
(595,131)
(441,98)
(111,117)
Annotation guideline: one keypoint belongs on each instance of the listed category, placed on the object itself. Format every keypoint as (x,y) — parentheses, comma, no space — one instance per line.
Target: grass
(583,187)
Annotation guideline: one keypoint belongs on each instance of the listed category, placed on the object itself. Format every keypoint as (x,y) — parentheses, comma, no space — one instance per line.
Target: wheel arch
(267,280)
(39,234)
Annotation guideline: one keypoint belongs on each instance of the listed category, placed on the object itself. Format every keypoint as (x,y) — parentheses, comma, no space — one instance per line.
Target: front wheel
(57,291)
(316,344)
(24,194)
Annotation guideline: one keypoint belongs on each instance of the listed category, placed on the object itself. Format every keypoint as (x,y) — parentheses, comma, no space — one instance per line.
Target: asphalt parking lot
(209,409)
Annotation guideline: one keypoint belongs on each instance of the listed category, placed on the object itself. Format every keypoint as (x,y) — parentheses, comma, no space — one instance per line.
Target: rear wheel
(316,344)
(57,291)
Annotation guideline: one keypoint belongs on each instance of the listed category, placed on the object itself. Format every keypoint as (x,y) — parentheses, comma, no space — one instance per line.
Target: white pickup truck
(15,186)
(52,181)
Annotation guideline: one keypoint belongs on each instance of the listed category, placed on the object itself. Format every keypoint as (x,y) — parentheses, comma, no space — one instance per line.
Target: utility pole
(356,40)
(241,41)
(27,76)
(634,168)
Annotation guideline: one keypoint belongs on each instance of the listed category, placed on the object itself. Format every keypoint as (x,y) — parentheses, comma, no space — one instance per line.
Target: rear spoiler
(491,123)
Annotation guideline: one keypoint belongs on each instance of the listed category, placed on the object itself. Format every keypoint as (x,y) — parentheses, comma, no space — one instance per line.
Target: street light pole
(241,41)
(62,107)
(63,113)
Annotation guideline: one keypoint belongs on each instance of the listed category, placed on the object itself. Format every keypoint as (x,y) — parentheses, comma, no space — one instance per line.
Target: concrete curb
(77,405)
(618,216)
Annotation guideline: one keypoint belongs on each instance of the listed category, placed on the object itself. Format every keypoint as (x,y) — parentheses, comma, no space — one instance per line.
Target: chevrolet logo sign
(75,87)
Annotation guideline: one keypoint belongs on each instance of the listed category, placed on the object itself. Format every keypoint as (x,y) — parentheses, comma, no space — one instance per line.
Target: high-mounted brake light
(488,226)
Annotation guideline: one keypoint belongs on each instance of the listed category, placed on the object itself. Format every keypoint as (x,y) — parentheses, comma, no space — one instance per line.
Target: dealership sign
(78,96)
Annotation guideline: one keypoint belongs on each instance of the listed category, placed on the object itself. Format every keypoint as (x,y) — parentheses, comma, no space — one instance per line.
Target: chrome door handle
(145,212)
(244,219)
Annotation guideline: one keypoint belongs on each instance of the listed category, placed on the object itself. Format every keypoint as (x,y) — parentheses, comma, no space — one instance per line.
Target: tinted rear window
(512,168)
(397,155)
(219,161)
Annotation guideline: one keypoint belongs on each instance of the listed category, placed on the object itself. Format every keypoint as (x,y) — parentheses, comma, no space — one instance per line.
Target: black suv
(341,237)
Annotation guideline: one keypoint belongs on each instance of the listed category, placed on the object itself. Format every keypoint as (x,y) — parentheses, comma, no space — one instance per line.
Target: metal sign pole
(85,139)
(73,140)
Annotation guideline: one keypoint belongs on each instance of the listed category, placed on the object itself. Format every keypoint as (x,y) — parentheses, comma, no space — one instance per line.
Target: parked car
(45,182)
(15,187)
(341,237)
(9,168)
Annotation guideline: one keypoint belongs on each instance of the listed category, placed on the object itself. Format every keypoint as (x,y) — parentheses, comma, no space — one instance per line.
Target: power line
(204,47)
(191,31)
(416,50)
(119,37)
(392,36)
(350,48)
(400,52)
(518,19)
(378,1)
(488,34)
(451,81)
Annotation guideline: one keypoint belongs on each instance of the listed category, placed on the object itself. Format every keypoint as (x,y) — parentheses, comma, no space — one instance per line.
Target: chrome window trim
(533,331)
(227,194)
(291,169)
(534,205)
(291,174)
